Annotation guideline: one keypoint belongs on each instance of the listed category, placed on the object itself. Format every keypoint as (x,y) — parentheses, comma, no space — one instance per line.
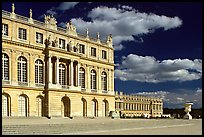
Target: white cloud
(66,5)
(118,47)
(123,23)
(55,11)
(176,98)
(148,69)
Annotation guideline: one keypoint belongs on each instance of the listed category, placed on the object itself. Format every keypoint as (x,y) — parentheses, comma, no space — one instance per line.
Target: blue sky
(157,46)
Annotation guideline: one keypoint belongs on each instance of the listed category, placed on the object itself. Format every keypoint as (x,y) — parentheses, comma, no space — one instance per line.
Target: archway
(105,108)
(39,105)
(5,104)
(66,107)
(95,108)
(84,107)
(23,105)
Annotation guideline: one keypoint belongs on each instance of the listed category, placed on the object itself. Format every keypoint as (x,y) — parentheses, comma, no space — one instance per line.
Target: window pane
(5,29)
(5,67)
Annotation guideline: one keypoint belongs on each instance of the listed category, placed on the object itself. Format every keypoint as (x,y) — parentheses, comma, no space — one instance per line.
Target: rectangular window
(4,29)
(62,43)
(93,51)
(81,48)
(104,56)
(22,33)
(39,38)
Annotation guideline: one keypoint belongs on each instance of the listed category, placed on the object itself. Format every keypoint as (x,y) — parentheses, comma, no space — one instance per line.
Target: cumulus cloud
(55,11)
(123,23)
(148,69)
(66,5)
(177,98)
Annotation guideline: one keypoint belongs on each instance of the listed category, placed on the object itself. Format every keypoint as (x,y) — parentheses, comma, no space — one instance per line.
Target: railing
(22,83)
(21,18)
(38,23)
(65,86)
(39,84)
(81,36)
(6,13)
(93,90)
(6,82)
(104,91)
(61,29)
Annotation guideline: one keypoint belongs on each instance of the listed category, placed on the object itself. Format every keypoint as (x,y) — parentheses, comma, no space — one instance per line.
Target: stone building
(134,106)
(54,72)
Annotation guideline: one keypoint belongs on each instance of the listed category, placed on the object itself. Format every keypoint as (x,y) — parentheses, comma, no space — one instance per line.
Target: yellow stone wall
(15,47)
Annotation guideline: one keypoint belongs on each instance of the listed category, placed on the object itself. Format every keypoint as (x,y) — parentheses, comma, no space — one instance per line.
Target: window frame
(39,71)
(93,80)
(104,54)
(62,43)
(22,33)
(82,78)
(5,66)
(4,29)
(39,40)
(82,48)
(93,52)
(22,67)
(62,74)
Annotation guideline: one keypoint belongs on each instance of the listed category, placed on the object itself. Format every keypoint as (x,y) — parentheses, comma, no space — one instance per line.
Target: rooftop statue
(70,26)
(50,22)
(109,38)
(31,13)
(47,41)
(55,43)
(13,8)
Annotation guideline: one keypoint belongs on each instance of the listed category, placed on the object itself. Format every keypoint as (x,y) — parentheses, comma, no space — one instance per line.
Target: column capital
(58,57)
(50,56)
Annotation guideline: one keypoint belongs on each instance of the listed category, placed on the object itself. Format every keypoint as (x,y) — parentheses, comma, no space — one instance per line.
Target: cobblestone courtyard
(100,126)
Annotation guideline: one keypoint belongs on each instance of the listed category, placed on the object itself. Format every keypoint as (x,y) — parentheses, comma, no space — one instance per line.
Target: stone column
(135,106)
(88,85)
(99,80)
(49,70)
(57,70)
(10,64)
(112,79)
(109,80)
(78,68)
(32,71)
(14,71)
(71,73)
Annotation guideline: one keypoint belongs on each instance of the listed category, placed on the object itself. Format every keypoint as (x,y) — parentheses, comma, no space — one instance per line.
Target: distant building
(134,106)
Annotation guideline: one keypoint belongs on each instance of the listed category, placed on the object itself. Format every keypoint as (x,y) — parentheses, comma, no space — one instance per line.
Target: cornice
(57,32)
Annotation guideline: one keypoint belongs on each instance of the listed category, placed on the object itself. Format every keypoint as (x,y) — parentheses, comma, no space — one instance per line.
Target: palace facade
(48,71)
(54,72)
(137,106)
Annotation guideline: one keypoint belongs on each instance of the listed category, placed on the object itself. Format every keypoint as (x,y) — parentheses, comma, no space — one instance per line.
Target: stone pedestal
(187,110)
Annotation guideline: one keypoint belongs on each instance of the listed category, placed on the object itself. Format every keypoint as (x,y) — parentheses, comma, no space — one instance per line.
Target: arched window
(5,67)
(82,77)
(61,74)
(22,69)
(39,105)
(23,105)
(5,104)
(104,81)
(93,80)
(38,71)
